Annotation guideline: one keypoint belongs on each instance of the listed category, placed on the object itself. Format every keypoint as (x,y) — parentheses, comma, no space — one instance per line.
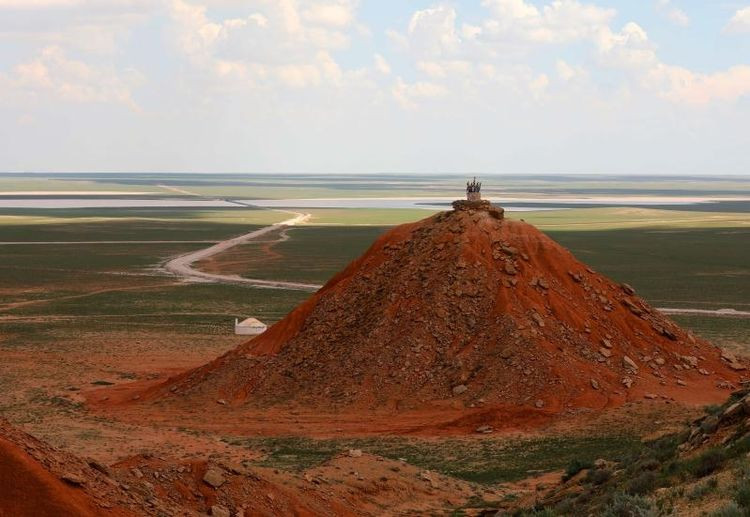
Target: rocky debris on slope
(351,483)
(42,480)
(463,305)
(693,472)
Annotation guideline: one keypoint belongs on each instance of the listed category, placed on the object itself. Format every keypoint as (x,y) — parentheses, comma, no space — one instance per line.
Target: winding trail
(727,313)
(183,265)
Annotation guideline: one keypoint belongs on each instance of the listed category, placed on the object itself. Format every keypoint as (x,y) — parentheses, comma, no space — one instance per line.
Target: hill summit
(469,309)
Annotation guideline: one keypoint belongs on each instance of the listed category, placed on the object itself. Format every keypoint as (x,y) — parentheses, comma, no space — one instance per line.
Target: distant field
(317,185)
(674,259)
(313,254)
(589,219)
(54,289)
(35,184)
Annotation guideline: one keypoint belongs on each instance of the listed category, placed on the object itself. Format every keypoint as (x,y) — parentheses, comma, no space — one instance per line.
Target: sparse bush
(575,466)
(730,510)
(649,464)
(740,446)
(540,512)
(742,495)
(707,463)
(665,448)
(624,505)
(713,409)
(701,490)
(642,484)
(598,476)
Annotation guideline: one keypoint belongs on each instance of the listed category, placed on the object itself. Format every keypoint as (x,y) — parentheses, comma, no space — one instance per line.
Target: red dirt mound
(469,308)
(37,480)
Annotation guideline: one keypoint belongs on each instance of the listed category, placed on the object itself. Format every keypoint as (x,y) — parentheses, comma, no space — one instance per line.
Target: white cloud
(682,85)
(568,72)
(333,14)
(54,76)
(382,65)
(37,4)
(740,22)
(277,44)
(466,61)
(674,14)
(409,94)
(558,22)
(432,32)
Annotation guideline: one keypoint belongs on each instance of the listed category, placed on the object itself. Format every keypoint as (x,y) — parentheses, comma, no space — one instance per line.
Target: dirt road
(728,313)
(183,265)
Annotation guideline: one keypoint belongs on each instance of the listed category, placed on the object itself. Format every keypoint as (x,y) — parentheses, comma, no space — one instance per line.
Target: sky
(369,86)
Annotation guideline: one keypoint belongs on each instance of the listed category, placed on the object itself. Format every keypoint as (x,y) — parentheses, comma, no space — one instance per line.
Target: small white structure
(249,327)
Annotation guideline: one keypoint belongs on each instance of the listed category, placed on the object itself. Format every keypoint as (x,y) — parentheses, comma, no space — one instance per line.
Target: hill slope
(466,308)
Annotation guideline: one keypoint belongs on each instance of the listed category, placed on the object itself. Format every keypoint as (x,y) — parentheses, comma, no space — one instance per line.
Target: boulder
(214,477)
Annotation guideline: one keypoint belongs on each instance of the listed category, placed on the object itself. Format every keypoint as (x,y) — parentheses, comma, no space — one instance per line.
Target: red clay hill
(38,480)
(465,309)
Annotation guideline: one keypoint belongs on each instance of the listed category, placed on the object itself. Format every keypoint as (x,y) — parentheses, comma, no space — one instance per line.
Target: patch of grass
(742,495)
(706,463)
(624,505)
(576,466)
(642,484)
(701,490)
(729,510)
(485,461)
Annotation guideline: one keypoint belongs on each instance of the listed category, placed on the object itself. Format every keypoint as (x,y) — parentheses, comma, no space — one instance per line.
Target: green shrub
(707,463)
(624,505)
(642,484)
(701,490)
(742,494)
(598,476)
(664,448)
(575,466)
(730,510)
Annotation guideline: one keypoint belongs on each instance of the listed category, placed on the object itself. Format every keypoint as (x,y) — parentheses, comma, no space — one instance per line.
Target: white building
(249,327)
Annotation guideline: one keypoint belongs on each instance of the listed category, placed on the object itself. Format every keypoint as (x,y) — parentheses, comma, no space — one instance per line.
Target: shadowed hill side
(37,480)
(468,309)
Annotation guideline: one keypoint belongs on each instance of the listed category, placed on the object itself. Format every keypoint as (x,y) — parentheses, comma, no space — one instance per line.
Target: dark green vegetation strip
(706,268)
(483,461)
(312,254)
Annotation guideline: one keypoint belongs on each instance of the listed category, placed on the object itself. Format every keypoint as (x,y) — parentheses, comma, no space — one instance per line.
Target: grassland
(33,183)
(482,461)
(256,186)
(593,219)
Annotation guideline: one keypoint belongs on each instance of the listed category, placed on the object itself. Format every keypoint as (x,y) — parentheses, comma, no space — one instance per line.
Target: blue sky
(347,86)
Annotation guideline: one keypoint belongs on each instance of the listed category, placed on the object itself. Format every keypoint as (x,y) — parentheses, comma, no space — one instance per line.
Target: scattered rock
(594,384)
(484,429)
(458,390)
(537,319)
(220,511)
(73,479)
(355,453)
(629,364)
(214,477)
